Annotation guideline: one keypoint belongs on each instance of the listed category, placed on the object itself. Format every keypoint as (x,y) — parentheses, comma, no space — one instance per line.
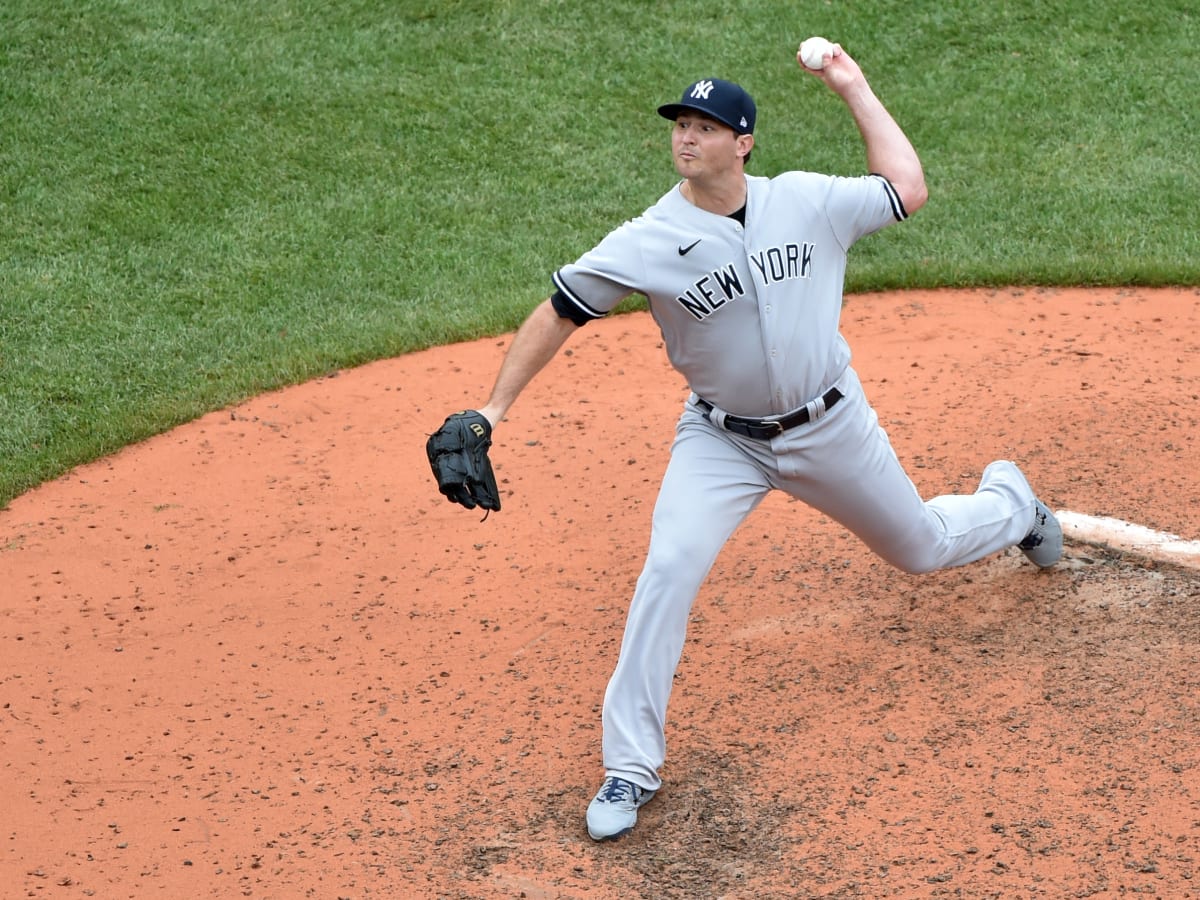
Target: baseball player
(744,276)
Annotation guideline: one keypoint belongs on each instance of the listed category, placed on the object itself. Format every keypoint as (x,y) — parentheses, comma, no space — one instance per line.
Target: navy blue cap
(721,100)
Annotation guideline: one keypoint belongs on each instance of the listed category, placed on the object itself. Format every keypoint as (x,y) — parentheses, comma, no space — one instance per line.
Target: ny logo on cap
(702,90)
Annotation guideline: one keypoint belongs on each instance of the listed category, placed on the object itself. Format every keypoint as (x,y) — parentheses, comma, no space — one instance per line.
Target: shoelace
(617,790)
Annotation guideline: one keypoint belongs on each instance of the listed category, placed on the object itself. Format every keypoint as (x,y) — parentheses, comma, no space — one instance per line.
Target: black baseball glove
(458,454)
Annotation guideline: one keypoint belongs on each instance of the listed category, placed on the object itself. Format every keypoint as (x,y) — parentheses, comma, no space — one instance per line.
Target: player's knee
(922,567)
(677,558)
(915,561)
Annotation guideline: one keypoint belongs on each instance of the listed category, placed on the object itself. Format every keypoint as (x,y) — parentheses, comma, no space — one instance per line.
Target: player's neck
(722,197)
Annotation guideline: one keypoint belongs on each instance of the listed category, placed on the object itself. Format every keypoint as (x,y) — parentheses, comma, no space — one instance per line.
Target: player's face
(702,146)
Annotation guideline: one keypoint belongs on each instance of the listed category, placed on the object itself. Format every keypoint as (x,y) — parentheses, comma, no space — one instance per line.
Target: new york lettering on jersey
(786,263)
(712,291)
(775,264)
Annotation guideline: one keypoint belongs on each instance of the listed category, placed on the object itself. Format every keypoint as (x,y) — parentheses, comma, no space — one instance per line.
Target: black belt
(763,429)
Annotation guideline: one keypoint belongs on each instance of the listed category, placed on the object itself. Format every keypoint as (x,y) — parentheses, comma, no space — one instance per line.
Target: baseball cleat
(613,811)
(1044,543)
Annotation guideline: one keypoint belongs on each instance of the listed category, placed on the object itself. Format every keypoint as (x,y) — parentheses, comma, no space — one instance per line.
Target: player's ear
(745,143)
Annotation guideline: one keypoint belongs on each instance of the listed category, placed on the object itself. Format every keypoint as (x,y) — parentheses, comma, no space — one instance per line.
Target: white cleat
(613,811)
(1044,543)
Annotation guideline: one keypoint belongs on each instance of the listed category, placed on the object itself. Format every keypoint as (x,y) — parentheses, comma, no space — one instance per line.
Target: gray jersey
(749,315)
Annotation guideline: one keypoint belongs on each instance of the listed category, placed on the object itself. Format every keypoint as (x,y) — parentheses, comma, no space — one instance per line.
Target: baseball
(813,51)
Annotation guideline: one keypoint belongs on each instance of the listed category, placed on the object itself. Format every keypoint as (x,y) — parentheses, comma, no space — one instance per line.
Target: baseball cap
(721,100)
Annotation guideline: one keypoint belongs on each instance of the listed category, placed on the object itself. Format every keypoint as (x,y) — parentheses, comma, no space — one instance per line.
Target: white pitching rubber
(1129,538)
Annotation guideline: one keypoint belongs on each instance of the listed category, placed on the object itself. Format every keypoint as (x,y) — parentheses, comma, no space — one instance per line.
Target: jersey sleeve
(853,207)
(591,287)
(860,206)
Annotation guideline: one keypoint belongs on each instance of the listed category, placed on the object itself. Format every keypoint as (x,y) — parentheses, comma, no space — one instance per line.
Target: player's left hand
(458,455)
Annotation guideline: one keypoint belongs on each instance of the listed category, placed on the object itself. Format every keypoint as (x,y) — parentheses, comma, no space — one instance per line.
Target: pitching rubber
(1126,537)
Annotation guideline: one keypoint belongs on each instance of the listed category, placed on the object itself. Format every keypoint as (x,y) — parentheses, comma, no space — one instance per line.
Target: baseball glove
(458,454)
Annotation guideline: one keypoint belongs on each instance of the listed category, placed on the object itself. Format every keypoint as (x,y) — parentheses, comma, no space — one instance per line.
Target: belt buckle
(774,427)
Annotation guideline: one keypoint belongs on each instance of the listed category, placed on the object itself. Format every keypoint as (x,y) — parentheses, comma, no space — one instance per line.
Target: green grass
(202,200)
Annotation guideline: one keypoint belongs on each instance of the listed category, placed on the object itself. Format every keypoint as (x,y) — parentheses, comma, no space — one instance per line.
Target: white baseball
(813,52)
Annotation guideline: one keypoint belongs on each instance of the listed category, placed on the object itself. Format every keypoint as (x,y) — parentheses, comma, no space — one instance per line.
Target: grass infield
(205,200)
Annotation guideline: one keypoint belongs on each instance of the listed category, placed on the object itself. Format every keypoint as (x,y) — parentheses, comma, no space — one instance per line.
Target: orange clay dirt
(260,656)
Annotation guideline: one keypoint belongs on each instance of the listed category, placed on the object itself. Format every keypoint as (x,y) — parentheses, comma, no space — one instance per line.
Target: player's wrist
(492,413)
(856,93)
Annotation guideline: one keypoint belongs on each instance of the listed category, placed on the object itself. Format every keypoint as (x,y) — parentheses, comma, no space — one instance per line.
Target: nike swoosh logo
(684,251)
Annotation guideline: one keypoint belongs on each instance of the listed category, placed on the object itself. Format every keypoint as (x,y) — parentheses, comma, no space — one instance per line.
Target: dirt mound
(260,656)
